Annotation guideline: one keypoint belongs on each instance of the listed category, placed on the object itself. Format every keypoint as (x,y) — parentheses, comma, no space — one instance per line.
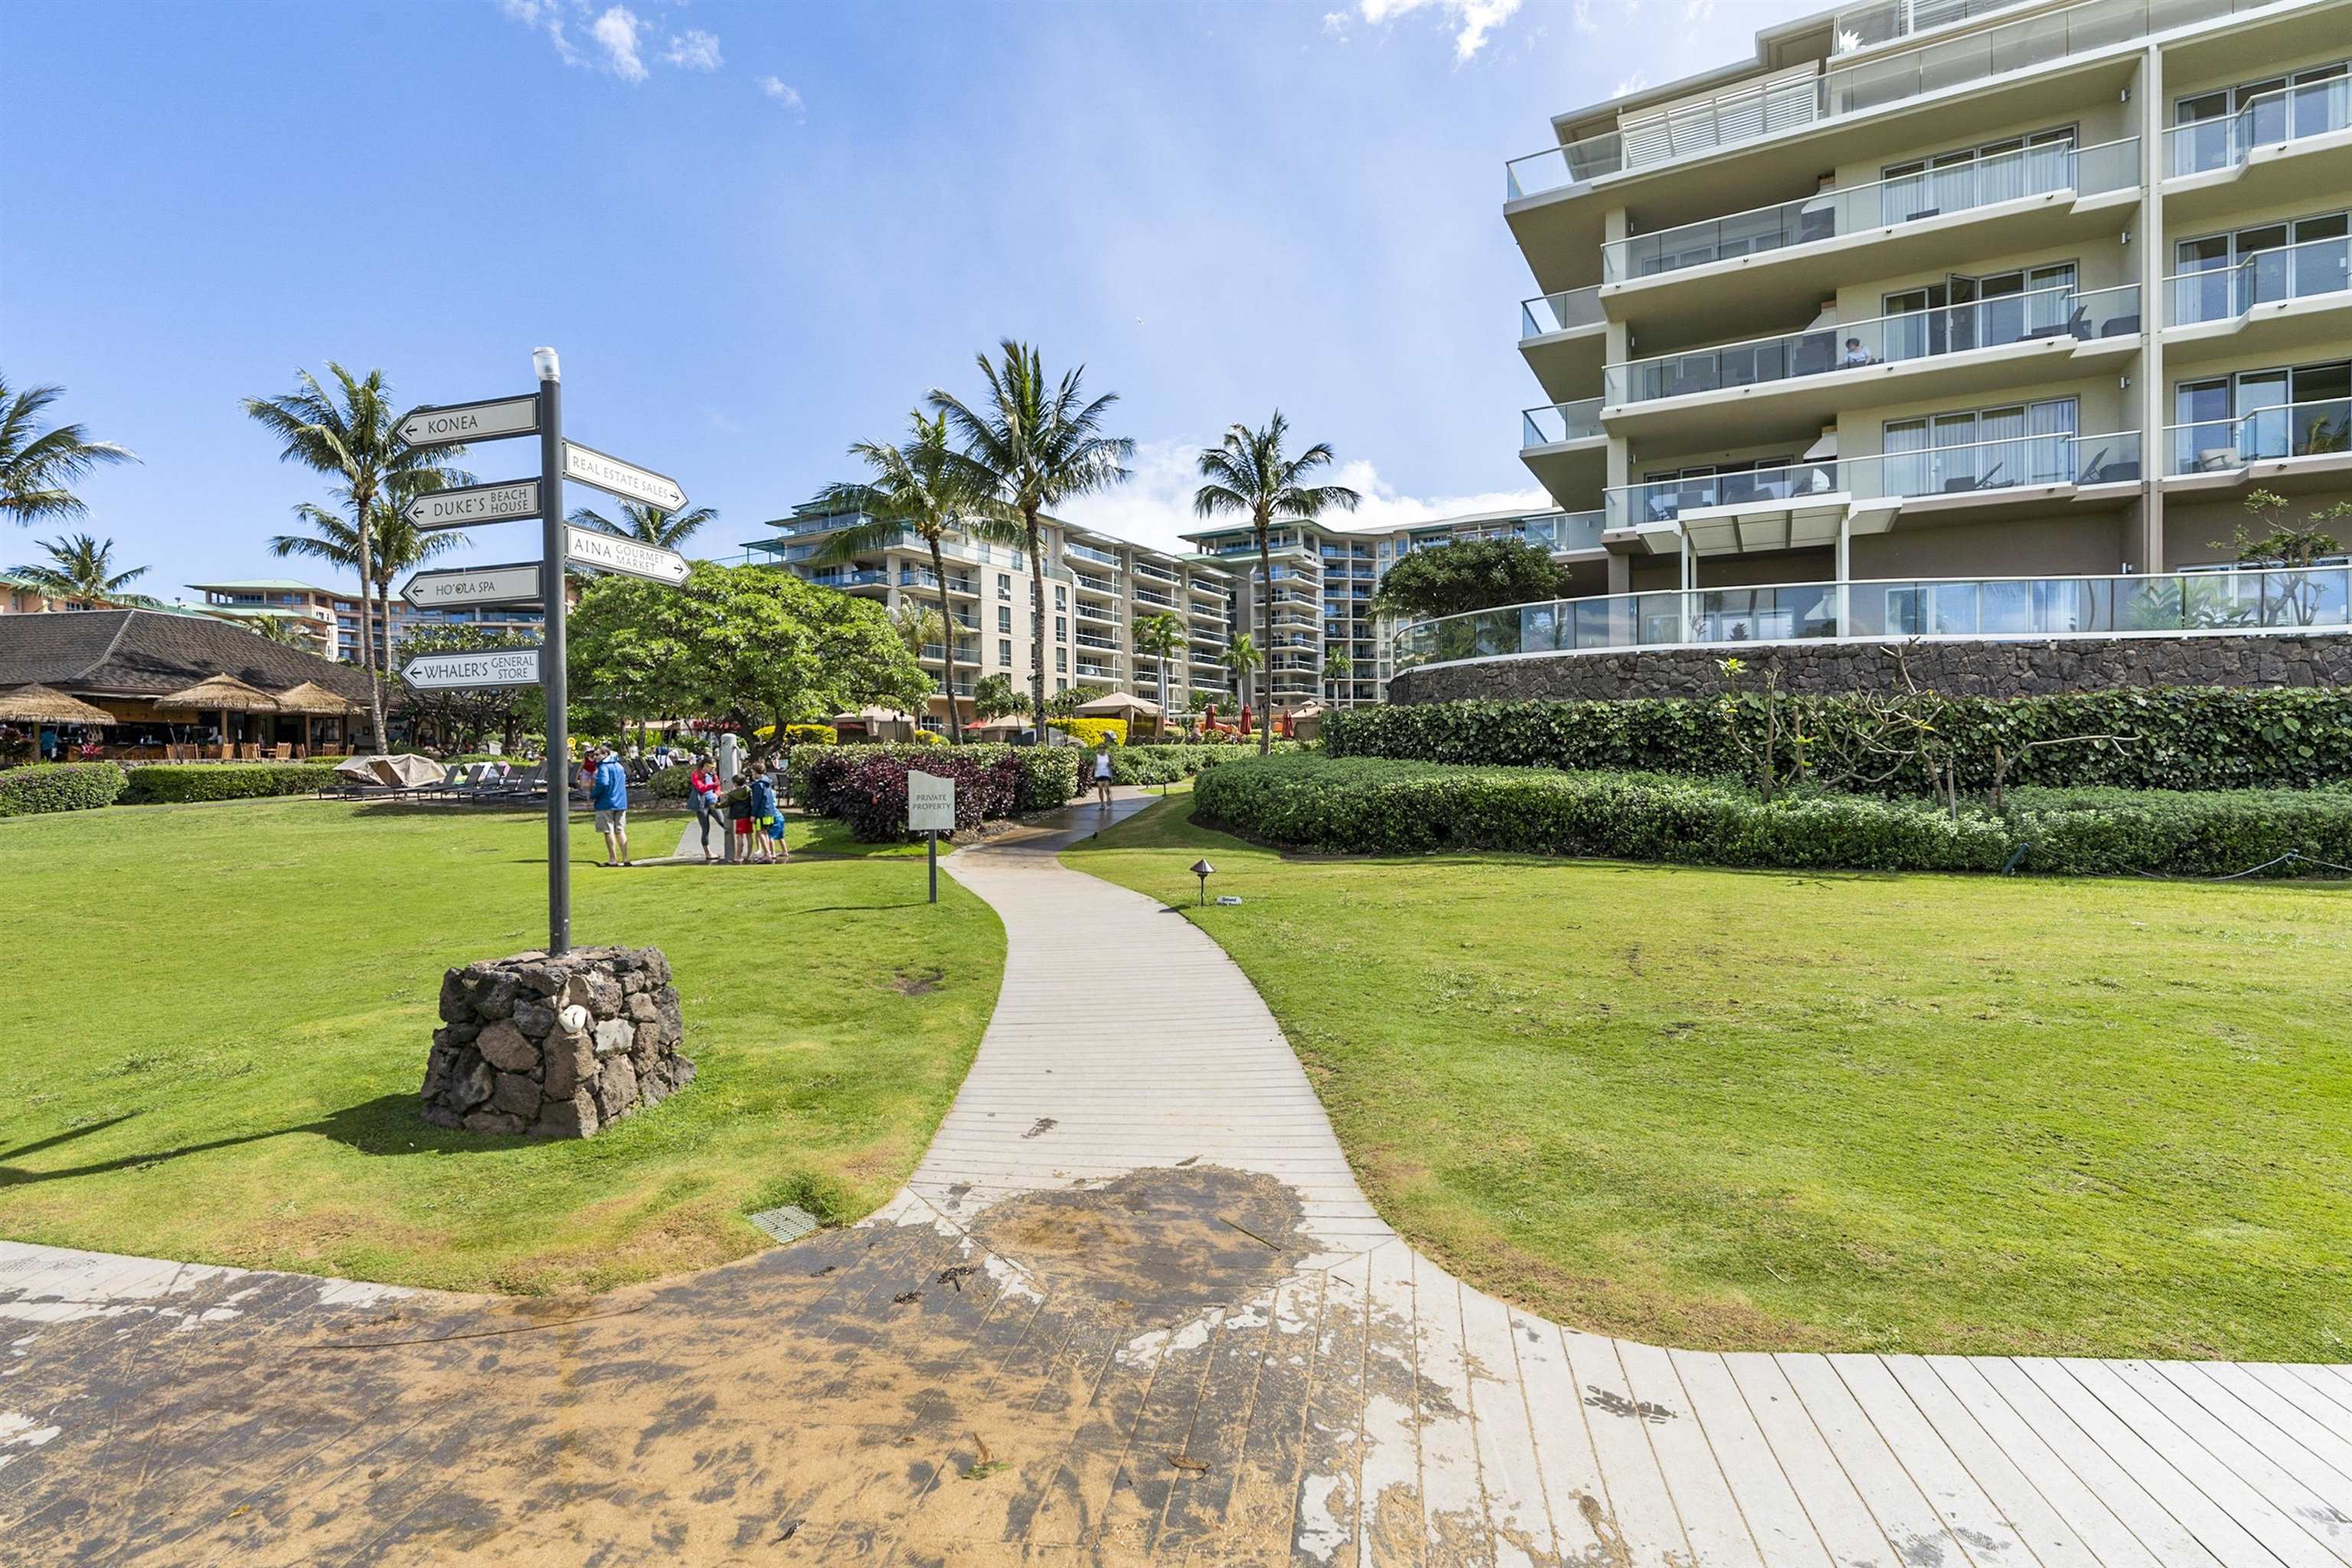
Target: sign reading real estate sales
(452,424)
(462,505)
(609,474)
(473,671)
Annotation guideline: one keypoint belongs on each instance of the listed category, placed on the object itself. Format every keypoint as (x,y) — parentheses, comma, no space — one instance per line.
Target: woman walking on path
(702,789)
(1102,772)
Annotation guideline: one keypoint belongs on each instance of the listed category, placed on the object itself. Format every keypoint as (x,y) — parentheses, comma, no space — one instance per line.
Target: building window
(1982,448)
(1062,661)
(1061,629)
(1003,586)
(1004,617)
(1062,685)
(1005,650)
(1975,176)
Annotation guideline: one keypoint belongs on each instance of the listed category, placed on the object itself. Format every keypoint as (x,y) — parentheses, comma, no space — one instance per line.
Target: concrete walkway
(1131,1308)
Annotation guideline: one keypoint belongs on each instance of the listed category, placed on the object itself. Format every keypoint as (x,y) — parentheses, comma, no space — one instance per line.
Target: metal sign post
(930,811)
(554,678)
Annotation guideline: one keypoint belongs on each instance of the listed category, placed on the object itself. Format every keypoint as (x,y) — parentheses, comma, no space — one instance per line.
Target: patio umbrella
(224,694)
(406,771)
(37,704)
(1119,704)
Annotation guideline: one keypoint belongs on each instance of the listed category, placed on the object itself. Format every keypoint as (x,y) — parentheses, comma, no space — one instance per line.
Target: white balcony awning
(1762,527)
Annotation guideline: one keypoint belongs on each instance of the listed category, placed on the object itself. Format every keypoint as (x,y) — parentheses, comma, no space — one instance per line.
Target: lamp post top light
(543,365)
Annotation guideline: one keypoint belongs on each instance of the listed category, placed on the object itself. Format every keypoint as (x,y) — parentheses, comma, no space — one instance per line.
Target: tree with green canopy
(1161,635)
(1476,575)
(647,524)
(80,568)
(38,463)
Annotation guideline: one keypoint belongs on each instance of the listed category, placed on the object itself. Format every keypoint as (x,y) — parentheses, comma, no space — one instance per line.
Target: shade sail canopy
(1111,704)
(407,771)
(312,698)
(220,694)
(37,704)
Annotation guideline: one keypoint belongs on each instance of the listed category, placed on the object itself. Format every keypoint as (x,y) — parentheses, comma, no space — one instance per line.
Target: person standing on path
(702,789)
(610,796)
(1102,772)
(764,827)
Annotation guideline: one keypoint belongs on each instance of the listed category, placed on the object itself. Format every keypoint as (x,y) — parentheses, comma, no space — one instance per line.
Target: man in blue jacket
(610,796)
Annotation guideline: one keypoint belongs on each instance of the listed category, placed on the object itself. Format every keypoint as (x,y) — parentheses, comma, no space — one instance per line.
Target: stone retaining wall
(556,1047)
(1955,669)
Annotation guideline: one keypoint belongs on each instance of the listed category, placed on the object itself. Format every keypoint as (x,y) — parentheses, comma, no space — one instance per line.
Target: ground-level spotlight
(1203,869)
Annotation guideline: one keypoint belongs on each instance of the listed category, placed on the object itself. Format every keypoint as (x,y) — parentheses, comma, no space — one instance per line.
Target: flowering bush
(1088,732)
(1046,777)
(872,797)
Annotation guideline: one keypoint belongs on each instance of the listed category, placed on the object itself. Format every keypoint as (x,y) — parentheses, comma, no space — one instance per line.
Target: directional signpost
(462,506)
(493,420)
(930,811)
(467,585)
(629,557)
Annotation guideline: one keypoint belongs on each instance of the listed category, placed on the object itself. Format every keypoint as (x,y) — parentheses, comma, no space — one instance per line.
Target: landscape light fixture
(1203,869)
(543,366)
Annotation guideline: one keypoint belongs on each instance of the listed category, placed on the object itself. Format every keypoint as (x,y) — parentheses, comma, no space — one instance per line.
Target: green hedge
(1049,774)
(1364,805)
(2186,737)
(58,786)
(165,783)
(1166,762)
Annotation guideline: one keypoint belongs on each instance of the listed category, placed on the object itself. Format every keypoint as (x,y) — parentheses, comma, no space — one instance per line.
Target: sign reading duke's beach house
(461,506)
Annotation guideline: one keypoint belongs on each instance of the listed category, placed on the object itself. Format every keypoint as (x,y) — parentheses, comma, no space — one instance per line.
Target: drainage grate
(789,1222)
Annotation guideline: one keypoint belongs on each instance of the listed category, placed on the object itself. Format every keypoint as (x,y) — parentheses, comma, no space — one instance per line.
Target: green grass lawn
(219,1016)
(1768,1110)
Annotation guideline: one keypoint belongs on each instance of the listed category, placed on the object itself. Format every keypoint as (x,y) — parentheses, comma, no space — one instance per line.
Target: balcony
(2264,302)
(2269,444)
(1805,504)
(923,577)
(1097,671)
(1088,552)
(2278,146)
(1093,639)
(1564,338)
(1566,447)
(1144,595)
(1753,390)
(1795,102)
(1104,614)
(851,577)
(2221,602)
(1087,583)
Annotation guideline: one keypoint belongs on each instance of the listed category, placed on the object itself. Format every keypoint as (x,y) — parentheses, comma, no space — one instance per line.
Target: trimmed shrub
(1363,805)
(59,786)
(872,798)
(1088,733)
(165,783)
(1047,776)
(667,783)
(2183,737)
(812,735)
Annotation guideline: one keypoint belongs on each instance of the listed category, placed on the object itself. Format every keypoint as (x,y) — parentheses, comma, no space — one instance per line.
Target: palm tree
(37,466)
(1249,475)
(1160,636)
(398,545)
(1336,668)
(918,626)
(919,487)
(81,569)
(354,433)
(645,524)
(286,631)
(1242,657)
(1028,446)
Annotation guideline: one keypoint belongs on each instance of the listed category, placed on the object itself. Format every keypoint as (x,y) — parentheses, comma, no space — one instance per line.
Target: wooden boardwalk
(1131,1308)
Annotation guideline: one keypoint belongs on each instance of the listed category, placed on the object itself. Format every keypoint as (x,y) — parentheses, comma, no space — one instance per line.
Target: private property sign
(930,803)
(461,506)
(473,671)
(454,423)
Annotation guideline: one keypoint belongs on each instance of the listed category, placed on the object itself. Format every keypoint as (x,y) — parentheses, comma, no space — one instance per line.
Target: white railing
(2043,313)
(2320,428)
(2223,602)
(2289,272)
(1881,203)
(2271,119)
(1771,108)
(2058,458)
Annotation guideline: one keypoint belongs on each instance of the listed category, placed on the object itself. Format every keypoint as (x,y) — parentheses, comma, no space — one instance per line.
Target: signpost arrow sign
(464,671)
(629,557)
(464,505)
(452,424)
(512,584)
(614,477)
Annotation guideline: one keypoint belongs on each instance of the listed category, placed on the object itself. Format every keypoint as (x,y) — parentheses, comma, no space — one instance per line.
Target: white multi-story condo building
(1938,315)
(1097,588)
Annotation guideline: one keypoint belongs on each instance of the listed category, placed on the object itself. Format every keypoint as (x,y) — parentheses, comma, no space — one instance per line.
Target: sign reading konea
(609,474)
(473,671)
(516,583)
(454,424)
(463,505)
(629,557)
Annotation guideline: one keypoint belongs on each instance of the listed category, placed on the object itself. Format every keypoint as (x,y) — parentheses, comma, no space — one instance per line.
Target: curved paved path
(1130,1308)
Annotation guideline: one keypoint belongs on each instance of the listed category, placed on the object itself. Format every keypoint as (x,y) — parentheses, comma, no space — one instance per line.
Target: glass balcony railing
(2290,272)
(2314,429)
(1088,552)
(1774,107)
(2019,461)
(922,577)
(1982,181)
(1883,340)
(849,577)
(1556,422)
(1865,26)
(2272,120)
(1549,314)
(2218,601)
(1148,596)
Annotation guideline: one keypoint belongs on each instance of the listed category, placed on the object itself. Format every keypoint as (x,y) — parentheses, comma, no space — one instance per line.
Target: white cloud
(1155,506)
(782,93)
(1470,20)
(617,33)
(694,50)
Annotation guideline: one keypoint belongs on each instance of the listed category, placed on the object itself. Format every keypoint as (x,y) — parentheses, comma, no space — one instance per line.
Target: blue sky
(758,232)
